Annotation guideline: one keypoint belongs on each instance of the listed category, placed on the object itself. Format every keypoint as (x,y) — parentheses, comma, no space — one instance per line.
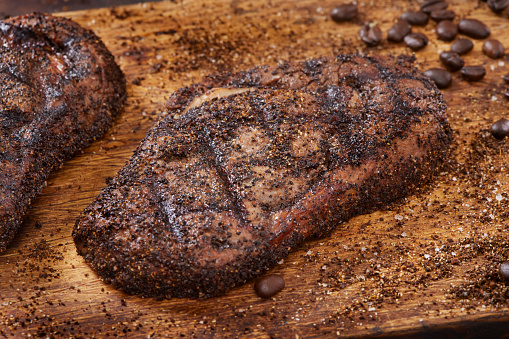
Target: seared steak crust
(60,88)
(243,167)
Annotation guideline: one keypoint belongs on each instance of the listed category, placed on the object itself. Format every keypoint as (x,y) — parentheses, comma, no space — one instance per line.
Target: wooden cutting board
(426,265)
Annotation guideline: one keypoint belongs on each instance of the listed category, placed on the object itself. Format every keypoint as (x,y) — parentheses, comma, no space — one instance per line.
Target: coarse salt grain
(398,217)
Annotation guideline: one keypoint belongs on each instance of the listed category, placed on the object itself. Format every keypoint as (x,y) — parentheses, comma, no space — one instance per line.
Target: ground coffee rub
(241,168)
(60,89)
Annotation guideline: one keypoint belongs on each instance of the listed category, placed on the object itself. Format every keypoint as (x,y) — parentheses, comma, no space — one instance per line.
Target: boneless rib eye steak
(243,167)
(59,89)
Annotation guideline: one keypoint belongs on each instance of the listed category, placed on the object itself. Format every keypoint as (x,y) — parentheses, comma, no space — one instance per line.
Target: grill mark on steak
(241,168)
(60,89)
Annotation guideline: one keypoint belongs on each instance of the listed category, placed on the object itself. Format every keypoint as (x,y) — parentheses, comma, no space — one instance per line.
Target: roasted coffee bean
(344,12)
(415,18)
(473,73)
(443,14)
(503,271)
(506,93)
(474,28)
(416,41)
(431,6)
(269,285)
(506,78)
(498,6)
(440,77)
(462,46)
(451,60)
(500,129)
(399,30)
(447,30)
(371,34)
(493,48)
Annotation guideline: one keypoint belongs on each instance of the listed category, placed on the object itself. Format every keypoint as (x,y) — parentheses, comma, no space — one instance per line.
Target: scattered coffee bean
(416,41)
(500,129)
(440,77)
(498,6)
(503,271)
(269,285)
(474,28)
(415,18)
(431,6)
(493,48)
(447,30)
(344,12)
(451,60)
(506,93)
(506,78)
(371,34)
(398,31)
(443,14)
(473,73)
(462,46)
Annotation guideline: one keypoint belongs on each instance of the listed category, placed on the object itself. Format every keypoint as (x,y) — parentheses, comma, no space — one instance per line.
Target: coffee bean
(430,6)
(498,6)
(399,30)
(473,73)
(415,18)
(474,28)
(344,12)
(269,285)
(462,46)
(451,60)
(506,93)
(493,48)
(416,41)
(371,34)
(500,129)
(505,77)
(440,77)
(447,30)
(442,14)
(503,271)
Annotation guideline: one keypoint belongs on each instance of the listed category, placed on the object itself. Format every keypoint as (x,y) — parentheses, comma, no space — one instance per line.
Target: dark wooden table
(11,8)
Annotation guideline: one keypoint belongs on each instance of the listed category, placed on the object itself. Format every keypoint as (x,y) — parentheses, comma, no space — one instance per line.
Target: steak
(241,168)
(59,89)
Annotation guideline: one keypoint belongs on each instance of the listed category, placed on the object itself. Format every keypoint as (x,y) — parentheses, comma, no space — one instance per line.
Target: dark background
(18,7)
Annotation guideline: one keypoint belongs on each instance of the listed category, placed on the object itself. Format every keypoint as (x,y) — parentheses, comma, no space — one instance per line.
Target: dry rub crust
(59,89)
(241,168)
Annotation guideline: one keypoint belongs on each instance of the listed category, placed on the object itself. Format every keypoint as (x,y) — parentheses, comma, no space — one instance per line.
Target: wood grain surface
(428,265)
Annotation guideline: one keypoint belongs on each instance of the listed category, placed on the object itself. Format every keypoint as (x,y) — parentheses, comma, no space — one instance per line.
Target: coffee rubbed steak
(60,89)
(241,168)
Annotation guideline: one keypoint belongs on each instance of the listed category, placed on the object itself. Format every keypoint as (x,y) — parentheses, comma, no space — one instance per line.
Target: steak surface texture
(59,89)
(241,168)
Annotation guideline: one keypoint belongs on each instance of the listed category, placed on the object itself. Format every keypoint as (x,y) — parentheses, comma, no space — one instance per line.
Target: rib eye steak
(60,89)
(241,168)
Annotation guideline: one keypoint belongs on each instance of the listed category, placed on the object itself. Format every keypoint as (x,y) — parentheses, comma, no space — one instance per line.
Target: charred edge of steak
(382,132)
(61,89)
